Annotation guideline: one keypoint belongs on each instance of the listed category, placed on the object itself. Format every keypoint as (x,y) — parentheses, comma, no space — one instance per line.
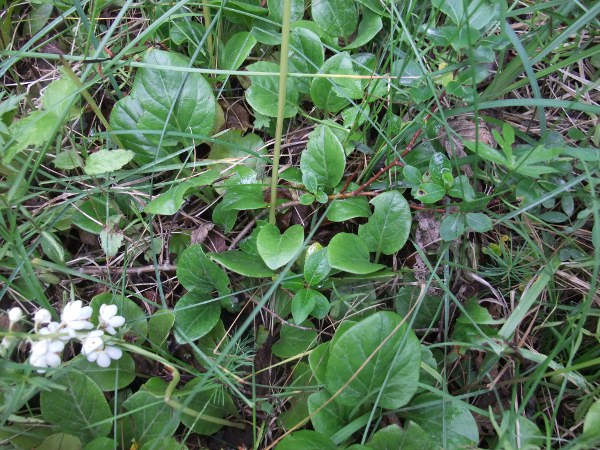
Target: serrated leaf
(195,271)
(349,253)
(388,228)
(379,352)
(242,263)
(337,18)
(263,93)
(196,313)
(323,160)
(278,249)
(80,409)
(237,49)
(163,101)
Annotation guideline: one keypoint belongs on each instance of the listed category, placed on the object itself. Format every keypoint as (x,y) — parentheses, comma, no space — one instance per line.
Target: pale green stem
(209,39)
(173,384)
(283,72)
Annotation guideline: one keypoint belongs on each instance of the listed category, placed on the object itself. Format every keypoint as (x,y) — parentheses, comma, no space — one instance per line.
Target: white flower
(75,316)
(56,329)
(15,314)
(108,318)
(42,316)
(95,349)
(46,353)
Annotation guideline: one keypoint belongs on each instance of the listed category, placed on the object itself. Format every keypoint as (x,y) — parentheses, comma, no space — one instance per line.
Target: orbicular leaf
(428,192)
(148,417)
(337,18)
(79,409)
(233,146)
(236,50)
(453,226)
(349,253)
(369,26)
(242,263)
(388,228)
(348,208)
(163,101)
(195,271)
(306,55)
(196,313)
(378,353)
(323,162)
(304,303)
(278,249)
(451,425)
(264,91)
(479,222)
(107,161)
(160,325)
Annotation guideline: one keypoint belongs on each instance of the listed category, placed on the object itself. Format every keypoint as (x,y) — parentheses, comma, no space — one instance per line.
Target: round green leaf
(306,55)
(337,18)
(195,271)
(327,417)
(118,375)
(378,353)
(429,192)
(243,263)
(107,161)
(412,437)
(196,313)
(80,409)
(264,91)
(451,425)
(349,253)
(148,417)
(277,249)
(306,440)
(276,10)
(388,228)
(323,160)
(60,441)
(348,208)
(101,443)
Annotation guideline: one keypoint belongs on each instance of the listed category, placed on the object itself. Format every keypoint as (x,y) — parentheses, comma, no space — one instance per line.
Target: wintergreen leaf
(242,263)
(439,165)
(323,160)
(474,313)
(163,101)
(369,26)
(236,50)
(276,10)
(278,249)
(378,353)
(337,18)
(327,416)
(409,72)
(169,202)
(263,93)
(293,341)
(333,94)
(306,440)
(148,416)
(306,54)
(428,192)
(60,441)
(160,325)
(388,228)
(234,145)
(107,161)
(479,222)
(304,302)
(80,409)
(447,422)
(101,443)
(591,423)
(461,188)
(453,226)
(195,271)
(118,375)
(316,267)
(349,253)
(348,208)
(412,437)
(196,313)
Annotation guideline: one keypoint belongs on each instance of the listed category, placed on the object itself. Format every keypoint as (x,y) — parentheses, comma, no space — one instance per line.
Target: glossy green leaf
(170,202)
(323,161)
(350,253)
(327,416)
(447,422)
(163,101)
(306,55)
(348,208)
(196,313)
(409,72)
(118,375)
(412,437)
(333,94)
(388,228)
(318,361)
(107,161)
(304,302)
(293,341)
(148,416)
(306,440)
(378,353)
(276,10)
(453,226)
(233,145)
(439,165)
(243,263)
(195,271)
(160,325)
(370,25)
(337,18)
(461,188)
(428,192)
(263,93)
(60,441)
(316,267)
(479,222)
(80,409)
(236,50)
(278,249)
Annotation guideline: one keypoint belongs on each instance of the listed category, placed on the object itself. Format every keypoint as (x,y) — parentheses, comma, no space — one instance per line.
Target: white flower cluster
(51,337)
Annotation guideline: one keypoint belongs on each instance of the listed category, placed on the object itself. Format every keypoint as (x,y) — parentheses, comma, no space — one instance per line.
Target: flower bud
(15,314)
(42,316)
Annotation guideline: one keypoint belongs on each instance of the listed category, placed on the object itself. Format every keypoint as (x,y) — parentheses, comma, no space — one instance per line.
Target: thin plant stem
(283,70)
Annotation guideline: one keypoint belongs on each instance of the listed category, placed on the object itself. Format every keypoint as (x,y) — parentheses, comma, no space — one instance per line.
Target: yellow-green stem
(209,39)
(283,72)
